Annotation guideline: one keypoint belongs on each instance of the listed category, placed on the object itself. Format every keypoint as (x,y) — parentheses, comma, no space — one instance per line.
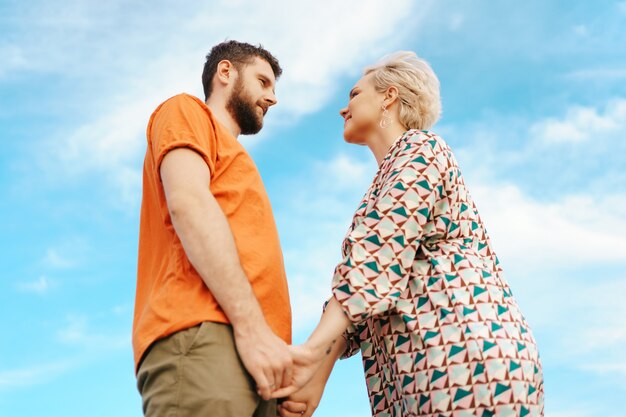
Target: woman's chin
(351,139)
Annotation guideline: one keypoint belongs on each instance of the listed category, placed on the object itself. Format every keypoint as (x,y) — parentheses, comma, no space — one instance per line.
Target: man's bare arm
(209,244)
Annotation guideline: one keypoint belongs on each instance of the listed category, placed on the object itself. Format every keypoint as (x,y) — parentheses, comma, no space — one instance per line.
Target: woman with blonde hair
(419,289)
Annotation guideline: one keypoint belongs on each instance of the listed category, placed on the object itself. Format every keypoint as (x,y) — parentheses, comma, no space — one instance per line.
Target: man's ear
(226,72)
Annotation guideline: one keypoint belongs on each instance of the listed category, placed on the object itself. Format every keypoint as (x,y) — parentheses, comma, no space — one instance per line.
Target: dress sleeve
(379,251)
(353,336)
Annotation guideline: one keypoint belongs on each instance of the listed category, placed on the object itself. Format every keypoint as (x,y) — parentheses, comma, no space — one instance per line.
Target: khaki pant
(196,373)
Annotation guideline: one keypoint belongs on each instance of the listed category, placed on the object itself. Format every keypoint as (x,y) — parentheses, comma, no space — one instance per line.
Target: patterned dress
(438,328)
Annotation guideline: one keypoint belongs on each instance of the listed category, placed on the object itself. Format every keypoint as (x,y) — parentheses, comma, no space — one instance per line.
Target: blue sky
(534,105)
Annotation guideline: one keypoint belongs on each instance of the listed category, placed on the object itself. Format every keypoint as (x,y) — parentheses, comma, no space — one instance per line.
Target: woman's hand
(304,402)
(306,362)
(323,347)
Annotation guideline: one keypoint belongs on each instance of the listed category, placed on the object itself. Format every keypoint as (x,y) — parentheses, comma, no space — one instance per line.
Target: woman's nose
(343,112)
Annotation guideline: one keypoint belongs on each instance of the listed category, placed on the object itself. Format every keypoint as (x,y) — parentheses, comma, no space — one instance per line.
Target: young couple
(419,290)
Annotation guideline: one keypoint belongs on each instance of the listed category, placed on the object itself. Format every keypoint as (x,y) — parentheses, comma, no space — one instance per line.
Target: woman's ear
(391,95)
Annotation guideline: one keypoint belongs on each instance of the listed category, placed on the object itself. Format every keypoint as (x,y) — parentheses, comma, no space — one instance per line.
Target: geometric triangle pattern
(437,325)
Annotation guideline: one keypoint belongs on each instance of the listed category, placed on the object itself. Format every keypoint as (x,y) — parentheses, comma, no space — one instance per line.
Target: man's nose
(271,99)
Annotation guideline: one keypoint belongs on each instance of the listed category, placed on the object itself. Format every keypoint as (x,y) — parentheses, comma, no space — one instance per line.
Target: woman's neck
(382,140)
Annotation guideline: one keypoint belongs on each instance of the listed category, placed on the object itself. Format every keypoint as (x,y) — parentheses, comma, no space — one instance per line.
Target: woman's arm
(305,401)
(319,348)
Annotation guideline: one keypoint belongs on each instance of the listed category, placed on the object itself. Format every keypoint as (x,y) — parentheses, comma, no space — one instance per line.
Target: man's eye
(262,82)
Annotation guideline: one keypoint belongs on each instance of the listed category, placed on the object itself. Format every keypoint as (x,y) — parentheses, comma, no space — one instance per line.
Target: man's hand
(266,357)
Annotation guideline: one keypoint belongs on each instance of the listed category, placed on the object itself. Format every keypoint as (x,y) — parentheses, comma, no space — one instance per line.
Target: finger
(278,379)
(262,385)
(282,412)
(286,413)
(294,406)
(287,373)
(284,392)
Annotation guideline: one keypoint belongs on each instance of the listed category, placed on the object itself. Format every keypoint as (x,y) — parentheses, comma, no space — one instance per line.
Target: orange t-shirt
(171,296)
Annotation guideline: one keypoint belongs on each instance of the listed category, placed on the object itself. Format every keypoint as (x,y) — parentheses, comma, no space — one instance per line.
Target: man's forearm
(210,247)
(209,244)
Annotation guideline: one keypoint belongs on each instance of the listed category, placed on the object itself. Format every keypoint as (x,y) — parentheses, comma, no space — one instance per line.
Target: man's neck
(218,108)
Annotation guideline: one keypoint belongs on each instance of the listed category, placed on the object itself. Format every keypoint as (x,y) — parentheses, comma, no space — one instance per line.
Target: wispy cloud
(562,248)
(39,286)
(318,52)
(581,30)
(456,21)
(578,412)
(581,124)
(13,59)
(35,374)
(597,333)
(80,332)
(54,259)
(315,218)
(563,233)
(597,74)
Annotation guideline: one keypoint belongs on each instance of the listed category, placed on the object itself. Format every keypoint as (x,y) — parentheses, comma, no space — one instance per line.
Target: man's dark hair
(239,54)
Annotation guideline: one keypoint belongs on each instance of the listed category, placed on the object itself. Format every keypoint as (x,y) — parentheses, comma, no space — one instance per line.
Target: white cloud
(597,74)
(55,259)
(66,253)
(582,124)
(35,374)
(456,21)
(563,233)
(539,242)
(563,253)
(581,30)
(596,339)
(39,286)
(577,412)
(80,332)
(137,66)
(122,310)
(12,59)
(563,250)
(315,219)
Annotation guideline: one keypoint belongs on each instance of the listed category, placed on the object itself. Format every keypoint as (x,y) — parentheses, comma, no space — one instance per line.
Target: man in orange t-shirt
(212,316)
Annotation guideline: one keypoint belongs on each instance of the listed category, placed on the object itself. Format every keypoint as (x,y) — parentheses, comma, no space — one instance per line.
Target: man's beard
(243,110)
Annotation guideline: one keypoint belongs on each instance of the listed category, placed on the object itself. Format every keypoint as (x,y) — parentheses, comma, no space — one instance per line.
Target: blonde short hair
(417,84)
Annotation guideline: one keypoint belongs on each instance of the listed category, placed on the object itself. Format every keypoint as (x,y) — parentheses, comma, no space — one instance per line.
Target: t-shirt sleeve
(182,122)
(380,251)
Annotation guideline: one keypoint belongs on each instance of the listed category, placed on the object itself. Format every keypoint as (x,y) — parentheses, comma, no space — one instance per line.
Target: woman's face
(363,113)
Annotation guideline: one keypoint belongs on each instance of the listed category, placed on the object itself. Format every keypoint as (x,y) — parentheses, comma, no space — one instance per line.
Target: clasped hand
(303,394)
